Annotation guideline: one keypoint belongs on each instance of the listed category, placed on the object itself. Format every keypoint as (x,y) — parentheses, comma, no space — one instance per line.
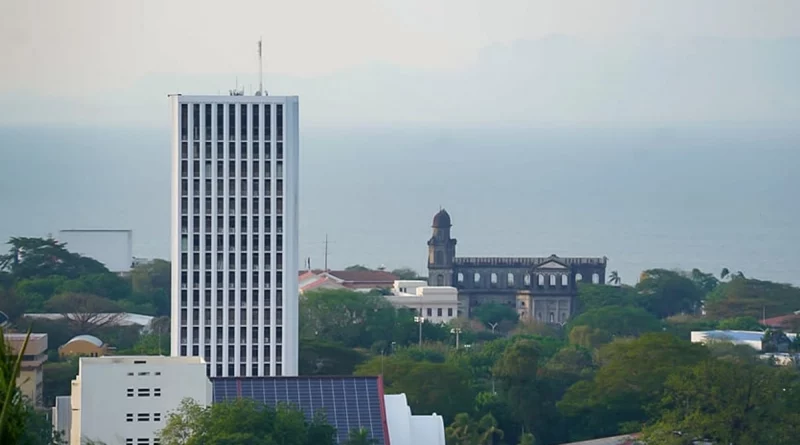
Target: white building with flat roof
(234,233)
(437,304)
(408,429)
(125,400)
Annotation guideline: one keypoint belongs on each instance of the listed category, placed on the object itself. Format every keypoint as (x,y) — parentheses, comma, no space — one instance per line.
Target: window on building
(429,311)
(143,417)
(144,392)
(438,312)
(156,417)
(449,312)
(156,392)
(129,441)
(130,392)
(129,417)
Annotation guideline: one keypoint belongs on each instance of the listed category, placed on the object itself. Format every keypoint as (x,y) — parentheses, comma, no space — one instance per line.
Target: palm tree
(724,274)
(489,430)
(462,431)
(527,439)
(13,416)
(614,278)
(360,436)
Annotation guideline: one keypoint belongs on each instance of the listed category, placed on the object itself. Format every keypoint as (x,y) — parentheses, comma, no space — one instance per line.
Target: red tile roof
(782,320)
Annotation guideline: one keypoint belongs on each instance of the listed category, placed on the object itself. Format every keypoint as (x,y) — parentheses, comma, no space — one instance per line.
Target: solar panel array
(349,403)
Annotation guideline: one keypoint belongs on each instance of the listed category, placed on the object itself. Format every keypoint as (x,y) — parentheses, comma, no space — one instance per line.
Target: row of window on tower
(251,188)
(259,151)
(255,171)
(232,340)
(256,297)
(254,260)
(243,245)
(251,118)
(231,352)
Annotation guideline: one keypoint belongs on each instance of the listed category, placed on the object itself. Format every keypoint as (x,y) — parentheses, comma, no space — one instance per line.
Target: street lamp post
(420,320)
(493,326)
(456,331)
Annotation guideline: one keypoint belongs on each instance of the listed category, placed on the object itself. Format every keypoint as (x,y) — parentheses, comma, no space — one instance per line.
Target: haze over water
(674,197)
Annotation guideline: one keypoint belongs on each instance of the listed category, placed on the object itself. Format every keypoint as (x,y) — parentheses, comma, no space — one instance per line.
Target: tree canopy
(244,422)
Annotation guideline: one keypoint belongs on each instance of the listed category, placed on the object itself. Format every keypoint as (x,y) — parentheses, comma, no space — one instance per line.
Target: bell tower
(441,251)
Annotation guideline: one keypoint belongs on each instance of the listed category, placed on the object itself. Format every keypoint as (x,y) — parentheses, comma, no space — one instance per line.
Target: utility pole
(420,320)
(326,252)
(456,331)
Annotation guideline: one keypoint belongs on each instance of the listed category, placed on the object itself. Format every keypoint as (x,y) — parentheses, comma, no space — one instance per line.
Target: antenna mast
(260,70)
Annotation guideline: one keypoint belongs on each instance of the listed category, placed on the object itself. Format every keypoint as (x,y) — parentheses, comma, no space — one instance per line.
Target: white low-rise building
(437,304)
(126,400)
(408,429)
(749,338)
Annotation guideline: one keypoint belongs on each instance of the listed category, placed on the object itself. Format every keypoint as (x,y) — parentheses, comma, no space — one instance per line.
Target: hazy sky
(92,57)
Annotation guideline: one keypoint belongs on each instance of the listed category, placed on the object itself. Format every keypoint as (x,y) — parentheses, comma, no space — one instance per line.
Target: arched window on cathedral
(578,277)
(552,280)
(476,277)
(564,280)
(540,280)
(460,277)
(440,280)
(493,279)
(527,280)
(510,279)
(439,256)
(552,318)
(595,278)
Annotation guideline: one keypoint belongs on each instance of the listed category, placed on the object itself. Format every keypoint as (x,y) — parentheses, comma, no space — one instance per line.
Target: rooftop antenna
(260,70)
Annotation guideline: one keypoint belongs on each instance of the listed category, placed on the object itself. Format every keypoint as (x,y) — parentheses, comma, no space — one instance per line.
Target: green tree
(488,430)
(745,297)
(740,324)
(463,430)
(596,296)
(319,357)
(707,282)
(243,422)
(495,314)
(744,404)
(360,436)
(588,337)
(665,292)
(40,257)
(406,273)
(516,374)
(614,278)
(57,379)
(628,383)
(622,321)
(443,388)
(527,439)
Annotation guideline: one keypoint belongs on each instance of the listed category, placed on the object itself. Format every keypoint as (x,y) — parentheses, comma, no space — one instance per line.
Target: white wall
(427,300)
(110,389)
(113,248)
(407,429)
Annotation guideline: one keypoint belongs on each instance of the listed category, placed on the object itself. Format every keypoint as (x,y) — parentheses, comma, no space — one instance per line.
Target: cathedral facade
(540,288)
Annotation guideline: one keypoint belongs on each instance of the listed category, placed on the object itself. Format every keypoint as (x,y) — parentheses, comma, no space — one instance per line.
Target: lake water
(707,197)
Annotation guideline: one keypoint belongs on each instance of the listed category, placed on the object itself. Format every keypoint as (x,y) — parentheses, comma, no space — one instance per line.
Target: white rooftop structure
(125,318)
(437,304)
(87,338)
(408,429)
(749,338)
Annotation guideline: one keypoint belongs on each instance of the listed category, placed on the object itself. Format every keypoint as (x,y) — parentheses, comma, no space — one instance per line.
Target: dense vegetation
(622,364)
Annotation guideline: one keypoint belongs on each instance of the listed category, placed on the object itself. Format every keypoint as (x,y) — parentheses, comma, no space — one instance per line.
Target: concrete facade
(126,400)
(540,288)
(31,377)
(235,179)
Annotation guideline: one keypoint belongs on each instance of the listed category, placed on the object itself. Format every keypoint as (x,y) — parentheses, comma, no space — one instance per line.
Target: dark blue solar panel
(348,402)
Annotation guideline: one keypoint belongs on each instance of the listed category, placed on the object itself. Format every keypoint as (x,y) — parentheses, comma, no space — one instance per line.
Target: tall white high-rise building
(234,233)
